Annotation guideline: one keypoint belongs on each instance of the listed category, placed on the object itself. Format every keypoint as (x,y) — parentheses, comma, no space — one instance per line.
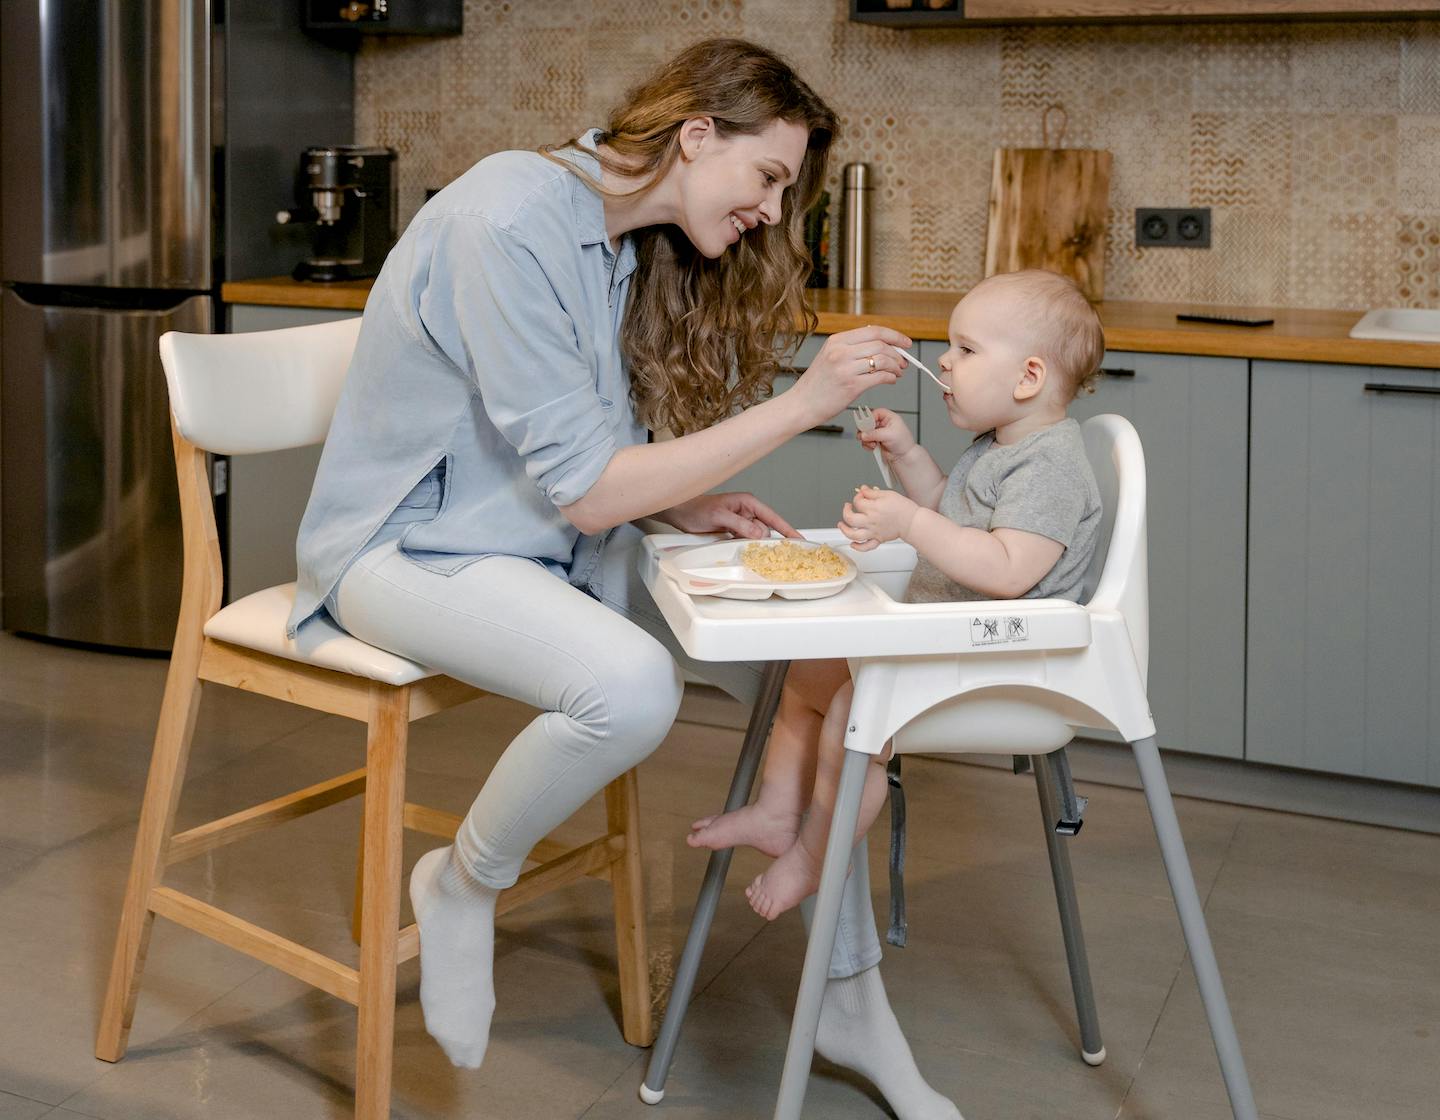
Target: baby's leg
(796,873)
(772,822)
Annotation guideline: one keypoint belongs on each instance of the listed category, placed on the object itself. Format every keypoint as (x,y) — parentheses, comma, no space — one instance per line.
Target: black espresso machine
(348,198)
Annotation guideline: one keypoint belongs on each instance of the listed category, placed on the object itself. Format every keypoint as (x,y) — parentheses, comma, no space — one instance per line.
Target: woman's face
(729,185)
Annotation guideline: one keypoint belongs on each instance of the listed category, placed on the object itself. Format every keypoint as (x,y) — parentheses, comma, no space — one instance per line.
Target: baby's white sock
(859,1031)
(456,915)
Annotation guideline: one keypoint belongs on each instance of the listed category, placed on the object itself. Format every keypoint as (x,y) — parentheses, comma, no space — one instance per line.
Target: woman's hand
(740,514)
(890,434)
(849,363)
(874,516)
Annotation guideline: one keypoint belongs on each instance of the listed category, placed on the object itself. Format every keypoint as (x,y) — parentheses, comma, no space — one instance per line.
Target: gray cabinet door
(1344,648)
(268,493)
(809,479)
(1191,413)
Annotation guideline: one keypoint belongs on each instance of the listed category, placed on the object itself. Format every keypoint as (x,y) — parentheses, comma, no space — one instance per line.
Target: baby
(1016,518)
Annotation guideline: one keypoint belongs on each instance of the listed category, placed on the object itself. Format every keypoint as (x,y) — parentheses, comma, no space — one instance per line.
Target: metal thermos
(855,270)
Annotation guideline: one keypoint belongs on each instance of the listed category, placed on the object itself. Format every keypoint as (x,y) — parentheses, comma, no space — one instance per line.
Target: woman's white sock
(859,1031)
(456,915)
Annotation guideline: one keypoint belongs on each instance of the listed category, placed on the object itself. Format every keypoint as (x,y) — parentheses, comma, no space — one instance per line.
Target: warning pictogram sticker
(999,630)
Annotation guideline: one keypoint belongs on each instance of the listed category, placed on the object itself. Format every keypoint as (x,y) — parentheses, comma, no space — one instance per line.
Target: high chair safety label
(994,630)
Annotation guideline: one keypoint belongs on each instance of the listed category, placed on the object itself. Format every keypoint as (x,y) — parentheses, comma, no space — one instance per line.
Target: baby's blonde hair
(1058,322)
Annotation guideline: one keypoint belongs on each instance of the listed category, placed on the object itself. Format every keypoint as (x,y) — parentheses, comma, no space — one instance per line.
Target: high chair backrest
(236,394)
(1118,576)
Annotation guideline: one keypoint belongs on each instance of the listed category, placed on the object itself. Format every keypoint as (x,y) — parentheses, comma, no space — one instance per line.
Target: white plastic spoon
(916,362)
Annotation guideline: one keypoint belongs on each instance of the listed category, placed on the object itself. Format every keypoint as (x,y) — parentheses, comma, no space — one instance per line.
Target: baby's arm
(1000,563)
(919,474)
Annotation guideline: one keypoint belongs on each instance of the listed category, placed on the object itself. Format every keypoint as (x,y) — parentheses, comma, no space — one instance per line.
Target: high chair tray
(863,620)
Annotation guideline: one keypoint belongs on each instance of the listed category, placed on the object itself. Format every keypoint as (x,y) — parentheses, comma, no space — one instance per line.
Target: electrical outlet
(1185,227)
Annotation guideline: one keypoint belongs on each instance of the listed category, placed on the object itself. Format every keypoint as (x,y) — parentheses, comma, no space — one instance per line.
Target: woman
(471,510)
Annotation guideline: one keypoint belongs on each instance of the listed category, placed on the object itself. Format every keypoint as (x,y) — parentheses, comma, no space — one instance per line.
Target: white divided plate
(715,569)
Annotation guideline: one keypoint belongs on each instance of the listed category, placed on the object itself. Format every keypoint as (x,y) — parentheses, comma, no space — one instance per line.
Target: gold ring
(871,360)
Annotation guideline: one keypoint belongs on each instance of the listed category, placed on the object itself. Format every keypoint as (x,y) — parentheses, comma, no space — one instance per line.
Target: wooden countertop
(283,291)
(1298,335)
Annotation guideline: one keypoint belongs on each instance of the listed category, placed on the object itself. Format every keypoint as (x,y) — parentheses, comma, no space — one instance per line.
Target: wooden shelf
(415,17)
(983,13)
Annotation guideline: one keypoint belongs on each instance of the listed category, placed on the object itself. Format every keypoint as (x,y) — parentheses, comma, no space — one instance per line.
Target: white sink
(1412,324)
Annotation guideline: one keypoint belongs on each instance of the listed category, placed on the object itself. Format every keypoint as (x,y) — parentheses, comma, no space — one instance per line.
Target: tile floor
(1327,936)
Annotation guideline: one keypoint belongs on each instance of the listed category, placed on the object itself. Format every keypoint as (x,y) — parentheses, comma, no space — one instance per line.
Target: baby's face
(985,360)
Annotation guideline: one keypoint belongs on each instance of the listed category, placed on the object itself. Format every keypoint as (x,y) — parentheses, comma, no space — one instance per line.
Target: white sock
(859,1031)
(456,915)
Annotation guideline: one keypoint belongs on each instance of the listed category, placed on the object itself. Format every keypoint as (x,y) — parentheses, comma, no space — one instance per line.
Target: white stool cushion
(258,622)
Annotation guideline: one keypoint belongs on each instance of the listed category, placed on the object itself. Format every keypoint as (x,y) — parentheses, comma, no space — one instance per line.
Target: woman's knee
(634,696)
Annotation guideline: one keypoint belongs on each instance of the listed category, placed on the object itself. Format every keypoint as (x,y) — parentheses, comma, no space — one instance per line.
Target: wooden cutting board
(1048,209)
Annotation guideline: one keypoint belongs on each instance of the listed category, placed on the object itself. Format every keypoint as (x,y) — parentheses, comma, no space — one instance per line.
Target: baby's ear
(1033,375)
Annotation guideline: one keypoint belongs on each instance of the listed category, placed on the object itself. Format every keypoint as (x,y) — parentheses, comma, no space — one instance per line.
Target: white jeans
(599,663)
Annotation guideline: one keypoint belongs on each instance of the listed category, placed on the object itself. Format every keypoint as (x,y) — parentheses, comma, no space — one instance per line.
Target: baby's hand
(891,435)
(875,516)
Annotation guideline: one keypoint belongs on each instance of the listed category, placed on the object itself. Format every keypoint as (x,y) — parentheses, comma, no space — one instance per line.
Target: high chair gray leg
(762,715)
(801,1050)
(1092,1049)
(1192,921)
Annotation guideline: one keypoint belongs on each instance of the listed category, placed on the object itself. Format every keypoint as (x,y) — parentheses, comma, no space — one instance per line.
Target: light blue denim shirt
(488,364)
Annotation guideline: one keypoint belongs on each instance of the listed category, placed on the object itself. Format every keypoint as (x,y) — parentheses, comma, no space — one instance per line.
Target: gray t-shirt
(1042,484)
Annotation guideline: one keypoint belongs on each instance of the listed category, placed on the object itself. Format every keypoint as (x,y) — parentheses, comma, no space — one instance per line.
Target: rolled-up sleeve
(495,313)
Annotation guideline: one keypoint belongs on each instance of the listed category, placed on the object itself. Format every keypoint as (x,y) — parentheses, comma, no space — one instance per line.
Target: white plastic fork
(865,421)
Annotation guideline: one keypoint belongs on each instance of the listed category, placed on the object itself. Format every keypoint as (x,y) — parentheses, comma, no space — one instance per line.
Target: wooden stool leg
(358,908)
(168,761)
(380,912)
(622,808)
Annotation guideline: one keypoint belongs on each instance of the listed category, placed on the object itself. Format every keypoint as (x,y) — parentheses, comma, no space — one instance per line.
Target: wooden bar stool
(267,391)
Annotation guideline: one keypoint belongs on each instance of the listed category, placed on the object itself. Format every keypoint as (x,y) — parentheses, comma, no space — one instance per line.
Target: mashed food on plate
(788,562)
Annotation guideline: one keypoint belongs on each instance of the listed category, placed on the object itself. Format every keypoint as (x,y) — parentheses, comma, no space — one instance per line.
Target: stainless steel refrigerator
(145,147)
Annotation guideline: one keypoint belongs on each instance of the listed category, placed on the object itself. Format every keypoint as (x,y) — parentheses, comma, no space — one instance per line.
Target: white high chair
(266,391)
(1014,677)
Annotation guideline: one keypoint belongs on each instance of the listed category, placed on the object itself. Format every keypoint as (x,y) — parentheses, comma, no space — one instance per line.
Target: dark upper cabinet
(967,13)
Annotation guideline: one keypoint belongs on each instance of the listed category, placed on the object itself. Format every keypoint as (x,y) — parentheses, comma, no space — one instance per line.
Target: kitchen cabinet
(1343,658)
(268,492)
(809,479)
(979,13)
(1191,414)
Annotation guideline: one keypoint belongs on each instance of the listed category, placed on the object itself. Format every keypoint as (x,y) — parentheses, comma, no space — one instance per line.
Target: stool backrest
(236,394)
(1118,576)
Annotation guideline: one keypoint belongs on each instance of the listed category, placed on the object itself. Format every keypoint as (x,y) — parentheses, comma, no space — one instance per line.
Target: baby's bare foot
(754,826)
(790,880)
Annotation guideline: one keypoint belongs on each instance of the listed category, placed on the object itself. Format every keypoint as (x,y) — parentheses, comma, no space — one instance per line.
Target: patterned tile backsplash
(1317,146)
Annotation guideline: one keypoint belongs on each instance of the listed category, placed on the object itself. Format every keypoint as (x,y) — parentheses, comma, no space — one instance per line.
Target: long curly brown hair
(704,338)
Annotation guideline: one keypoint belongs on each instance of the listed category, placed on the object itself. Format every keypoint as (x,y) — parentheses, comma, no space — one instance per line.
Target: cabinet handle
(828,429)
(1412,390)
(1110,372)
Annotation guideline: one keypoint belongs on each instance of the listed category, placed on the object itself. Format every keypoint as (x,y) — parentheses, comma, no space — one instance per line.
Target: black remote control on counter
(1227,320)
